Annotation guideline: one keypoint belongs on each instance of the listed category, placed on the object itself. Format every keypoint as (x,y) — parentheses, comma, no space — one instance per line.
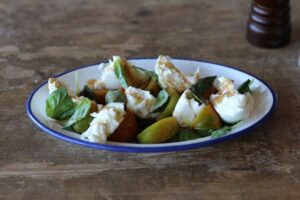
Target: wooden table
(41,38)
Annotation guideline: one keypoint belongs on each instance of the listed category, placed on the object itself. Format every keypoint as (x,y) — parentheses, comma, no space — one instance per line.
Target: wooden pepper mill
(269,24)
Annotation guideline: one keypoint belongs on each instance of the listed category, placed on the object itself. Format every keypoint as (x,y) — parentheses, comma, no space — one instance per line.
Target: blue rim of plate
(148,149)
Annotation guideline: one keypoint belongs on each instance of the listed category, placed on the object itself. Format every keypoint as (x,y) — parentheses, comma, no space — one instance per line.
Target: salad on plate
(130,104)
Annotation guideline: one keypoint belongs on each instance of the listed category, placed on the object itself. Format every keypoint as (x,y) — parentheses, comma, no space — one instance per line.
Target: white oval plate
(264,96)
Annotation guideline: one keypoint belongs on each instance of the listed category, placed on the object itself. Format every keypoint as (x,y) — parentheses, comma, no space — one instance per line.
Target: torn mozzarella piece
(169,75)
(105,122)
(223,84)
(195,77)
(54,84)
(108,79)
(139,101)
(232,106)
(186,109)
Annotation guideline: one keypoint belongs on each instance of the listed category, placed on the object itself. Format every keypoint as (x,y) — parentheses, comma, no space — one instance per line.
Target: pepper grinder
(269,24)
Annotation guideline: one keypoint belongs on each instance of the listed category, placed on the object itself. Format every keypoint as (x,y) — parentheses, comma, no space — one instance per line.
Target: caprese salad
(130,104)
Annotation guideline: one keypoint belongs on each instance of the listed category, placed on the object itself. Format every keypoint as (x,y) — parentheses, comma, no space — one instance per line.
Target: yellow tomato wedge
(207,118)
(160,131)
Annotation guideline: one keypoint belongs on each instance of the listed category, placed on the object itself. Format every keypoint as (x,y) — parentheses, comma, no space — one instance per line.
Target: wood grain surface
(41,38)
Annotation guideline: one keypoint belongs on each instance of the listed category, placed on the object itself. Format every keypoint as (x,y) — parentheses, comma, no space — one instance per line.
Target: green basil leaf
(115,96)
(245,87)
(82,110)
(185,134)
(120,74)
(82,125)
(59,105)
(161,99)
(198,90)
(225,129)
(221,131)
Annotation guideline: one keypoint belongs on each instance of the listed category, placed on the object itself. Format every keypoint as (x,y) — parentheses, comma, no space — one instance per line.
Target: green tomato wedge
(207,118)
(173,98)
(160,131)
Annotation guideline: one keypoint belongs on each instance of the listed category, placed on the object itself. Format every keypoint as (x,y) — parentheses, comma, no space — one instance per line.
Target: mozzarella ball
(232,106)
(139,101)
(105,122)
(186,109)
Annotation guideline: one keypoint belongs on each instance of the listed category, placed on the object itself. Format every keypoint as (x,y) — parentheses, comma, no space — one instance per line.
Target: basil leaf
(120,74)
(245,87)
(115,96)
(225,129)
(221,131)
(161,99)
(82,125)
(186,134)
(82,110)
(198,90)
(59,105)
